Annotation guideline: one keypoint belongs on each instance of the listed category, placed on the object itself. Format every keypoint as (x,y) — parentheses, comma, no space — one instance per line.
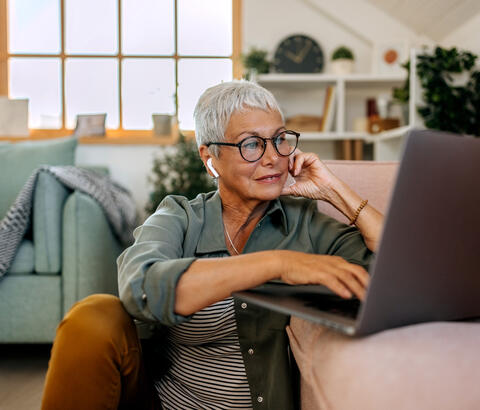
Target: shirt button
(244,305)
(144,297)
(259,399)
(250,351)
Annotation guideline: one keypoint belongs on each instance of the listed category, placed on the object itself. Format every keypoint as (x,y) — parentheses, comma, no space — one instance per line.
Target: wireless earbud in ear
(210,166)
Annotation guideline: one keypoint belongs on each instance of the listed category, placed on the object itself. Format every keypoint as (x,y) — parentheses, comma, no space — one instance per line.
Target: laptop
(427,267)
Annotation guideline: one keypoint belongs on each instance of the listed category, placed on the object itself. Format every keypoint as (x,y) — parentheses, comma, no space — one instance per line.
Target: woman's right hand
(334,272)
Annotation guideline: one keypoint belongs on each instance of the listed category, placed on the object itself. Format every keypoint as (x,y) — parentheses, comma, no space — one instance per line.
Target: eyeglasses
(252,148)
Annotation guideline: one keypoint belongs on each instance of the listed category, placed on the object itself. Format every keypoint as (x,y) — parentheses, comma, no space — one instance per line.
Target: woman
(190,256)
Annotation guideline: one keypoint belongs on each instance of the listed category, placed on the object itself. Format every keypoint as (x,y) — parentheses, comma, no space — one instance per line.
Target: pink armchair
(426,366)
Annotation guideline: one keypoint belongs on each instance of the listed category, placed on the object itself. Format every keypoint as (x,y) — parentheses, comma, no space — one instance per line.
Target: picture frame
(90,125)
(389,56)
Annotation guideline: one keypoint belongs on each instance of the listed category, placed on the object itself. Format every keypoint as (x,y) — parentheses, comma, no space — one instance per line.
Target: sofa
(424,366)
(68,253)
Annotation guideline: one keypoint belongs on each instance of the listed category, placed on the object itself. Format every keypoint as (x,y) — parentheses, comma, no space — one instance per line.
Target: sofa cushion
(24,259)
(19,160)
(425,366)
(30,308)
(369,179)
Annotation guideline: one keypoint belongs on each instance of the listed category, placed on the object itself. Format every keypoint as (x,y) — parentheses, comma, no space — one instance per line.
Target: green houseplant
(342,61)
(342,52)
(178,172)
(256,62)
(450,90)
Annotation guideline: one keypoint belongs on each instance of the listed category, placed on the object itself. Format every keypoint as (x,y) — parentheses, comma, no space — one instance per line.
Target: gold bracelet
(357,212)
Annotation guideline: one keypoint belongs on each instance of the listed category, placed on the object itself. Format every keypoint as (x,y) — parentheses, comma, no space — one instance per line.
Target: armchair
(69,252)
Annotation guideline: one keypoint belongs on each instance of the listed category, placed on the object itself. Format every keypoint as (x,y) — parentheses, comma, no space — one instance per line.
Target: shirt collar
(212,237)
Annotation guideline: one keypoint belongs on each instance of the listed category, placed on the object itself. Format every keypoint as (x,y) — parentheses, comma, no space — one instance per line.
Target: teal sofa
(69,252)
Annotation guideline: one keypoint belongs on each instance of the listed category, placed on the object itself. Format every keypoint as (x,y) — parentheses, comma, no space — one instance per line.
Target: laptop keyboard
(334,304)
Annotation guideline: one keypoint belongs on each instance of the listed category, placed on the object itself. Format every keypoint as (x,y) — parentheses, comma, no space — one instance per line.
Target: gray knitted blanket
(114,199)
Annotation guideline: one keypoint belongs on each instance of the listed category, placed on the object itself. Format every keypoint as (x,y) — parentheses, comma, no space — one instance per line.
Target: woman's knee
(97,318)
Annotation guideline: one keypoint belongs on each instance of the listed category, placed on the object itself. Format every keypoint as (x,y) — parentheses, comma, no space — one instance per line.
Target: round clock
(298,54)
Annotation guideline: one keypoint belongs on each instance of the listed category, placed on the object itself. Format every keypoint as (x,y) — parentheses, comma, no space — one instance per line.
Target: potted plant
(178,172)
(342,61)
(450,90)
(255,61)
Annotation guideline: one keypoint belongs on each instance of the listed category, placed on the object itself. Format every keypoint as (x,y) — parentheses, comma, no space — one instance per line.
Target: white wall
(354,23)
(129,165)
(467,36)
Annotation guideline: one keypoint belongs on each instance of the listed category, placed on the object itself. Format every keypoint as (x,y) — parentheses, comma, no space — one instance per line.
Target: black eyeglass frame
(272,139)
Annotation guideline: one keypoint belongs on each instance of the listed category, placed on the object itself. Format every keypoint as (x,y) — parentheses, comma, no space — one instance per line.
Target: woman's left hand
(313,179)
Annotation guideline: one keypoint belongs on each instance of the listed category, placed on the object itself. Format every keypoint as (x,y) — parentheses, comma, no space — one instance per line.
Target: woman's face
(262,180)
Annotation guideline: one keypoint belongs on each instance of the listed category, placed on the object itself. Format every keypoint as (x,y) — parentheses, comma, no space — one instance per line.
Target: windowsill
(112,137)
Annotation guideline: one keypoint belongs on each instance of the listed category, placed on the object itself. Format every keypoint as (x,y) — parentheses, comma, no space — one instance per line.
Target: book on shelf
(304,123)
(329,108)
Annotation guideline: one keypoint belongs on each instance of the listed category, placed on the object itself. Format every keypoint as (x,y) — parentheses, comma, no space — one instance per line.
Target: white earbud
(210,166)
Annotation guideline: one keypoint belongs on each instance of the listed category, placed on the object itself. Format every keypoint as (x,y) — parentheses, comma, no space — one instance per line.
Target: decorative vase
(252,74)
(162,124)
(342,66)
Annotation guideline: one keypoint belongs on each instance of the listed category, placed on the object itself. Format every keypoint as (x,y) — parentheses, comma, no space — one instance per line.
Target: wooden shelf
(139,139)
(351,135)
(350,90)
(331,136)
(389,134)
(325,79)
(112,137)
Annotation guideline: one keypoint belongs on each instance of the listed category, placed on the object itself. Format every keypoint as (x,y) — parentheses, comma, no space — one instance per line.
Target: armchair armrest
(90,250)
(49,198)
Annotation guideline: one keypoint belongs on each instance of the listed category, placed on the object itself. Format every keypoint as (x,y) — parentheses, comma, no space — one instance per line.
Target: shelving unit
(291,89)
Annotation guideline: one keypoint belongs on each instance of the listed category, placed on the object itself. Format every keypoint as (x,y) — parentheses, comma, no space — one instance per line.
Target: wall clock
(298,54)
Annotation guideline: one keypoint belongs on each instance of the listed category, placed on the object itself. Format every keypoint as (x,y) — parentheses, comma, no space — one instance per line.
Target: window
(126,58)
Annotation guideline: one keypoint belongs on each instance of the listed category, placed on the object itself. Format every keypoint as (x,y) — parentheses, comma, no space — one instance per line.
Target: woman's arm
(210,280)
(369,221)
(157,283)
(315,181)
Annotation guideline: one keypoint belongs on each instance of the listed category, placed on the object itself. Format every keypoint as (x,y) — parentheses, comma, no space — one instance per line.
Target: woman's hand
(334,272)
(313,179)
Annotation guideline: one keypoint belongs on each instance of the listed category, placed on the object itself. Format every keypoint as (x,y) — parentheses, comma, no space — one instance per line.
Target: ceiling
(432,18)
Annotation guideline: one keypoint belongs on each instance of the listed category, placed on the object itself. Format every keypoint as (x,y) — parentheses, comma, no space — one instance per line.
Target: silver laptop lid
(428,265)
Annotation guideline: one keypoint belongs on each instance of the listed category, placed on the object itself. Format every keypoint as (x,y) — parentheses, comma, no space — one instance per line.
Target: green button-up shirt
(181,231)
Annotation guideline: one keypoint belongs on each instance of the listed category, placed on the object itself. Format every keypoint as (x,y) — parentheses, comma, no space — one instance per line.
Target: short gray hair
(217,104)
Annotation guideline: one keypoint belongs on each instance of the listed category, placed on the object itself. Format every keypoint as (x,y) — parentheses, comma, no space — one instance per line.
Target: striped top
(207,369)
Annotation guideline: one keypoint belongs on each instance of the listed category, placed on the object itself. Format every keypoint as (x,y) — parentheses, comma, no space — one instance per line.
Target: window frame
(118,135)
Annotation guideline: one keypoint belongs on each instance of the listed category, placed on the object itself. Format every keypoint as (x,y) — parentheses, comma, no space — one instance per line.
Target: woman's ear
(211,168)
(207,161)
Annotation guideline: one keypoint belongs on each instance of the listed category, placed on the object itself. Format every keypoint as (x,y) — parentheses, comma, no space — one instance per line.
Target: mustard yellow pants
(96,360)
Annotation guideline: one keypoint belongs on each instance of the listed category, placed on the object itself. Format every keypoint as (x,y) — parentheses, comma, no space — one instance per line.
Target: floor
(22,375)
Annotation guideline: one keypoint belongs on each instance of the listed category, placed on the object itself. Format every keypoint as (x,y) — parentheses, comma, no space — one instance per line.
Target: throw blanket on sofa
(114,199)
